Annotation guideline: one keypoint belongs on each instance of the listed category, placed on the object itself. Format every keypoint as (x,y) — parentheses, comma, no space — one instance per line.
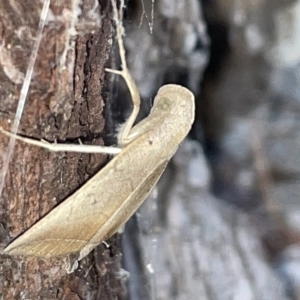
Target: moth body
(106,201)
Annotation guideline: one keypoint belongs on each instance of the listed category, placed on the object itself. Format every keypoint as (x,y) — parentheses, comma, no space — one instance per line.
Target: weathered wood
(65,102)
(199,247)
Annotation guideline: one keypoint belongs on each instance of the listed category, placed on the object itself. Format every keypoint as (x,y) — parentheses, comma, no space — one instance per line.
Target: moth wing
(47,238)
(137,198)
(45,248)
(126,210)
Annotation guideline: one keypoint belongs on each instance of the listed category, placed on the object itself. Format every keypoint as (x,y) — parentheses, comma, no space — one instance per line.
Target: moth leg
(65,147)
(135,95)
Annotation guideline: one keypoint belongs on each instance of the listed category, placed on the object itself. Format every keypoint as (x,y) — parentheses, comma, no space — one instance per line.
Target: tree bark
(65,102)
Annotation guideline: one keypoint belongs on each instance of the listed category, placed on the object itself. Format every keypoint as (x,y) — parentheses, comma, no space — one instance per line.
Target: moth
(105,202)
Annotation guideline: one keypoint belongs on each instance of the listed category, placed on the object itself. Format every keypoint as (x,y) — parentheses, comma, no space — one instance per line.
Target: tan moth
(106,201)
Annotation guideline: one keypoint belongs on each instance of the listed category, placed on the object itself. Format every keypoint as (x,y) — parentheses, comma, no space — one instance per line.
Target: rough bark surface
(199,247)
(185,243)
(65,103)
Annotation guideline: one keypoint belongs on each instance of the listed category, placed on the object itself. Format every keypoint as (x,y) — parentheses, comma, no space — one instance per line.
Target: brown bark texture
(65,102)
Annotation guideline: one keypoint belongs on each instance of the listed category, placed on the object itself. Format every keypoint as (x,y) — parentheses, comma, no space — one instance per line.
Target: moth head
(164,104)
(176,99)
